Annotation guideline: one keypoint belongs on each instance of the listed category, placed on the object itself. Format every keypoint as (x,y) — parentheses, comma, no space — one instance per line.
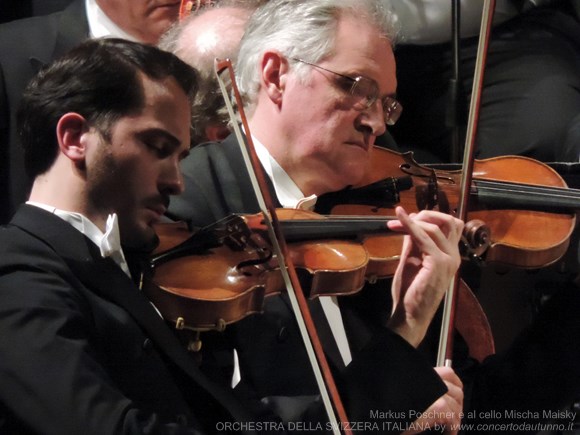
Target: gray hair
(303,29)
(208,107)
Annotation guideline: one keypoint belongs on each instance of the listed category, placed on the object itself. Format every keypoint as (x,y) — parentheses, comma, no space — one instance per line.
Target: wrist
(413,334)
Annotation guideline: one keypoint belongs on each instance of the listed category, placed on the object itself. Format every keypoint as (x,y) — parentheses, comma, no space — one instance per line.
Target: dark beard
(103,181)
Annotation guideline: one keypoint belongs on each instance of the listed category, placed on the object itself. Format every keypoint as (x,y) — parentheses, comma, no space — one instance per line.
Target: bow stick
(324,379)
(445,352)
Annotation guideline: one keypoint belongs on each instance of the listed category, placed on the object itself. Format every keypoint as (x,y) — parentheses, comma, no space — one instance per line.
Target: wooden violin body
(219,276)
(205,289)
(526,204)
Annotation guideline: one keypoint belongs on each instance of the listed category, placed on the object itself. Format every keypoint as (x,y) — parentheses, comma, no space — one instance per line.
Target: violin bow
(324,379)
(453,117)
(445,352)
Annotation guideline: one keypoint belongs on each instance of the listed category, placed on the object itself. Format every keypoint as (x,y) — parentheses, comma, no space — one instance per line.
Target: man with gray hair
(317,98)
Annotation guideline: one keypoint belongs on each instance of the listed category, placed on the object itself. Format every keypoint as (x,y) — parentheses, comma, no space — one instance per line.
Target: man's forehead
(165,105)
(369,54)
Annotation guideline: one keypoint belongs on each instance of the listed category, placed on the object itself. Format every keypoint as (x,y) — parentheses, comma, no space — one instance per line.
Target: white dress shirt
(100,25)
(109,242)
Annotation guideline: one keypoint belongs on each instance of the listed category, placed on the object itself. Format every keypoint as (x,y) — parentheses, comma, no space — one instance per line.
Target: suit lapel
(108,279)
(104,277)
(239,178)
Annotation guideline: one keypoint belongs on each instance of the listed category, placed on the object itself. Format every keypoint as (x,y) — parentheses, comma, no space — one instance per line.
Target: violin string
(551,190)
(494,187)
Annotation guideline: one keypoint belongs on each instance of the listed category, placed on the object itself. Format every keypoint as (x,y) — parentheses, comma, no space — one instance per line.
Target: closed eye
(160,142)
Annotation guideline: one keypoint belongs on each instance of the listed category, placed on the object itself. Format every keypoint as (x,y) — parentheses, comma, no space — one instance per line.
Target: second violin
(527,206)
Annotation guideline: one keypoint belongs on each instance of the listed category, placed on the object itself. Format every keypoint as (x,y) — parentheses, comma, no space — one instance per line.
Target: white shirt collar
(109,243)
(100,25)
(287,192)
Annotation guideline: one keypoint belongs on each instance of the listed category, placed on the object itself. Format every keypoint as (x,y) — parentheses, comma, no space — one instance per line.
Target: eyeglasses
(365,92)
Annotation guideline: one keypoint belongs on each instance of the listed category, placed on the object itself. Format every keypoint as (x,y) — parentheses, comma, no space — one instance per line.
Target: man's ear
(275,70)
(70,131)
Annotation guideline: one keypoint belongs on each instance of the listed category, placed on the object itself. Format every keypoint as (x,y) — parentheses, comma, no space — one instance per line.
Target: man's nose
(374,117)
(172,178)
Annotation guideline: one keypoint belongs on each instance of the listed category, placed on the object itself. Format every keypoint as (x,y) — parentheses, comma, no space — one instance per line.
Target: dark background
(15,9)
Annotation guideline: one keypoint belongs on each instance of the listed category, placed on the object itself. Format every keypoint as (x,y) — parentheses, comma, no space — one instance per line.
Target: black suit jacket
(83,351)
(386,372)
(25,46)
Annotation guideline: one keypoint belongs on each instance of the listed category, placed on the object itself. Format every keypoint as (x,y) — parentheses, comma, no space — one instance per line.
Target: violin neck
(515,196)
(350,227)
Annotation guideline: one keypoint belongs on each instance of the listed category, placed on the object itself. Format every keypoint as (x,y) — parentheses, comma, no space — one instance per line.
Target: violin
(526,204)
(223,272)
(208,279)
